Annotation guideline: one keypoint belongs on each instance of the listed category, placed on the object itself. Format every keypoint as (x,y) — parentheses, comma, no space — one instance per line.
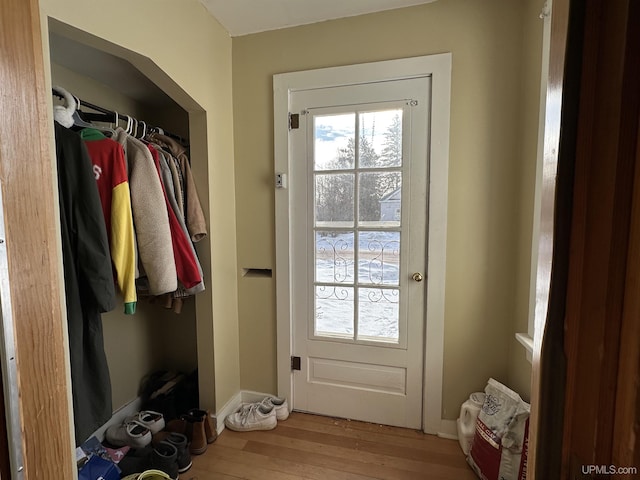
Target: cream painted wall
(484,222)
(174,120)
(180,38)
(92,91)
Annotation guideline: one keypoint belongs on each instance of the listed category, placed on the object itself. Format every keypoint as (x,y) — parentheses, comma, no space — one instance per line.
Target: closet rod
(122,116)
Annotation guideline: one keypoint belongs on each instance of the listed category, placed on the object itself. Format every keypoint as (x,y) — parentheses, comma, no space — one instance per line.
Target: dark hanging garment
(89,283)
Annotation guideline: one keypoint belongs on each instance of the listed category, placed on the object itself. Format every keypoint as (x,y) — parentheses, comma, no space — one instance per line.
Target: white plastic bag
(499,448)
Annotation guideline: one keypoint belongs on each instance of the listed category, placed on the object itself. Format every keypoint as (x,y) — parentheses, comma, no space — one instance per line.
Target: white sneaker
(280,405)
(255,416)
(132,434)
(154,421)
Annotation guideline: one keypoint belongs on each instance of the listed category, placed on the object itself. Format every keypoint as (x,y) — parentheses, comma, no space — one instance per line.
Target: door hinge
(295,363)
(294,121)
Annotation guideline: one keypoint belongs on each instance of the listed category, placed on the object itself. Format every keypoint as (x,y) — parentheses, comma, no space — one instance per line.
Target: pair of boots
(198,426)
(170,456)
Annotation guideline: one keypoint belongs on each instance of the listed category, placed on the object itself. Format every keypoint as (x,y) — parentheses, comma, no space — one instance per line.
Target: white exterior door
(359,165)
(349,239)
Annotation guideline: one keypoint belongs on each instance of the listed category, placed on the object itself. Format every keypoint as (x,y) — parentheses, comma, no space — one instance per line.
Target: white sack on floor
(499,448)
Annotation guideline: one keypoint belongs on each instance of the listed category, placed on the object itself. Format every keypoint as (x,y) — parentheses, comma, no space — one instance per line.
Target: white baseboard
(118,417)
(448,429)
(135,405)
(249,396)
(231,406)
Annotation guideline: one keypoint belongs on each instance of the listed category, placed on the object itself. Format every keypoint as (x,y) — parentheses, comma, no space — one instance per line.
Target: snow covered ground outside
(378,265)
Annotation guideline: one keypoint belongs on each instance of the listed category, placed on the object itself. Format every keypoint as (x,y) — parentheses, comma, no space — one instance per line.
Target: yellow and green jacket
(110,172)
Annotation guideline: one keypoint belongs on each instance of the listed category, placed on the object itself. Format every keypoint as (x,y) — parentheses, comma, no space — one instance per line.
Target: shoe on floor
(182,446)
(196,434)
(178,425)
(255,416)
(280,405)
(154,421)
(132,434)
(209,426)
(162,457)
(193,428)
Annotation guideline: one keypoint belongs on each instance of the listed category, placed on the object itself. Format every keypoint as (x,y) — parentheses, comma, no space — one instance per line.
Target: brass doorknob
(417,276)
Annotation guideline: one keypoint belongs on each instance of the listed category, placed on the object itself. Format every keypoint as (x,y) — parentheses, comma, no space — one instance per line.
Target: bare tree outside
(358,178)
(335,191)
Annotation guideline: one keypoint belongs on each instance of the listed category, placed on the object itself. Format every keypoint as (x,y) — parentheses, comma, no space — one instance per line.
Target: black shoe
(165,458)
(182,446)
(161,457)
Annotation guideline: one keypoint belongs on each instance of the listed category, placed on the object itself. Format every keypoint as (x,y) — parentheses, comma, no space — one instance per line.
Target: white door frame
(438,67)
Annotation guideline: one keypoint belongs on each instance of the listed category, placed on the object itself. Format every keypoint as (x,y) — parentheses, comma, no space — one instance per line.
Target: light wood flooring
(323,448)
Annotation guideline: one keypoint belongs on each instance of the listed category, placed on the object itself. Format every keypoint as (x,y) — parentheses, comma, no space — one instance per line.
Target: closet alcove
(154,338)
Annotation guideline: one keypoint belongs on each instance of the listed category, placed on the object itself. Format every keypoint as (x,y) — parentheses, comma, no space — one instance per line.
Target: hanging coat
(194,215)
(186,264)
(150,217)
(169,188)
(89,283)
(110,171)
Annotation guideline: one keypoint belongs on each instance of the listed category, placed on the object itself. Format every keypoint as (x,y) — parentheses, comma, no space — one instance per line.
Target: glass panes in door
(357,195)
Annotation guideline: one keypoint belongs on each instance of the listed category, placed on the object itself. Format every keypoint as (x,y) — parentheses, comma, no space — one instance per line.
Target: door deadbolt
(417,276)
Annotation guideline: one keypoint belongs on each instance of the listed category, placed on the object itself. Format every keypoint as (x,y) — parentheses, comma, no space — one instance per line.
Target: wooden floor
(322,448)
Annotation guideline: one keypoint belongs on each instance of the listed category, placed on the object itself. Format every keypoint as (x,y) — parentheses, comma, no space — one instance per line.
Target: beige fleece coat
(150,217)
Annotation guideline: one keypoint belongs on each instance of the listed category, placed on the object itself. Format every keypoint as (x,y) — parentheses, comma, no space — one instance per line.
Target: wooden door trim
(606,149)
(627,410)
(625,450)
(33,249)
(592,323)
(552,242)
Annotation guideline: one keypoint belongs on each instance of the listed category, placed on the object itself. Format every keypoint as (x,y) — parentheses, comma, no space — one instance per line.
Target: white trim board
(135,405)
(447,429)
(230,407)
(438,67)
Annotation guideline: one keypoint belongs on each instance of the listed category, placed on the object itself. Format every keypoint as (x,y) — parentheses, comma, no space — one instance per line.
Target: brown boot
(209,424)
(195,431)
(210,428)
(178,425)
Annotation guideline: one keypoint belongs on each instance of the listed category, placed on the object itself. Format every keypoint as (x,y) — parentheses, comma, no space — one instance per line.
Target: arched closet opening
(163,333)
